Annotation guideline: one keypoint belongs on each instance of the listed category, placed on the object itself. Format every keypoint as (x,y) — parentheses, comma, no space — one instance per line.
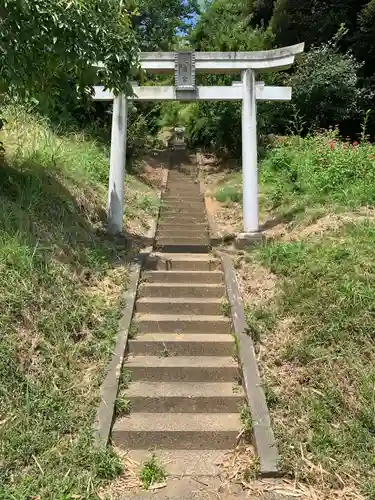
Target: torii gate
(185,65)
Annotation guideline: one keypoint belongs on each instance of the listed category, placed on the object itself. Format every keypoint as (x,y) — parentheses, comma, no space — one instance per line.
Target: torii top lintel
(225,62)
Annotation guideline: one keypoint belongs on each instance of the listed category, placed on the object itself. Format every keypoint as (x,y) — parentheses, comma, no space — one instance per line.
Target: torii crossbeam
(185,64)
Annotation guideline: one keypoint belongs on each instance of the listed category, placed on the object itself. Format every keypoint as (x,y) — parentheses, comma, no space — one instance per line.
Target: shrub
(325,87)
(321,167)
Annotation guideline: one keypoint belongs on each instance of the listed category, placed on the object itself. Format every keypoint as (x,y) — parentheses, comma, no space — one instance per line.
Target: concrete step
(179,232)
(173,262)
(188,277)
(185,204)
(187,344)
(191,431)
(181,200)
(162,305)
(180,463)
(182,240)
(183,368)
(183,182)
(186,217)
(176,290)
(169,323)
(185,226)
(192,212)
(183,193)
(183,196)
(170,218)
(181,248)
(189,179)
(186,397)
(192,208)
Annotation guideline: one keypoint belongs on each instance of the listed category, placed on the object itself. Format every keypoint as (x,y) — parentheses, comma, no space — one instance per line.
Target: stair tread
(183,337)
(192,238)
(179,361)
(179,300)
(201,225)
(173,256)
(187,277)
(183,389)
(184,285)
(204,273)
(184,462)
(179,422)
(181,317)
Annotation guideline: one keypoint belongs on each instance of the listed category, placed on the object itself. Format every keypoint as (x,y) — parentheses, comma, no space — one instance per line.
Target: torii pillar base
(246,240)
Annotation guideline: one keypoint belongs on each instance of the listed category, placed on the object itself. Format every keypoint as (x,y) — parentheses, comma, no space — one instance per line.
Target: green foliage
(138,133)
(365,37)
(152,473)
(43,40)
(223,27)
(246,421)
(225,307)
(328,82)
(61,281)
(318,327)
(295,21)
(159,25)
(327,287)
(123,406)
(320,168)
(259,322)
(325,87)
(157,21)
(229,192)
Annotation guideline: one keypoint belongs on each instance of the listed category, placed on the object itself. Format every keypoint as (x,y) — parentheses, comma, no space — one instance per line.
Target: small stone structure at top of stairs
(184,392)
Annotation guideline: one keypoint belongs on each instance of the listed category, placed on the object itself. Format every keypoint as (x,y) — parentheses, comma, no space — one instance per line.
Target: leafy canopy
(157,22)
(41,40)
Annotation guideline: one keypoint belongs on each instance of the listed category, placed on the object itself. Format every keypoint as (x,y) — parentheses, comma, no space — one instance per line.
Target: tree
(313,21)
(365,37)
(41,40)
(223,26)
(157,22)
(325,87)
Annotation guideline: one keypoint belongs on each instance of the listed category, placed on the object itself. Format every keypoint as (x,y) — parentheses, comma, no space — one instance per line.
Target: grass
(225,307)
(61,280)
(325,408)
(123,406)
(317,330)
(152,473)
(247,422)
(133,331)
(230,191)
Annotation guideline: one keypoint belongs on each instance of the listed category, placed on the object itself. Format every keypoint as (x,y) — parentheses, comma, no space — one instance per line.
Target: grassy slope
(316,333)
(61,280)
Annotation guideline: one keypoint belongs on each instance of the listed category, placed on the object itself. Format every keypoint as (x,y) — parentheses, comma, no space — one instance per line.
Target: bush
(322,168)
(325,87)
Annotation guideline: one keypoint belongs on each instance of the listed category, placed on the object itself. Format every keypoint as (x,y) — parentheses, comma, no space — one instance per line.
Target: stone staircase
(185,393)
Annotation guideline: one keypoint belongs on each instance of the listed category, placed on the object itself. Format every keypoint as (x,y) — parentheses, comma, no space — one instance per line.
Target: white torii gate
(248,90)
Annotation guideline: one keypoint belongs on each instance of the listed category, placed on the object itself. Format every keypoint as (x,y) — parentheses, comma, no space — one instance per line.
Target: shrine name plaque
(185,71)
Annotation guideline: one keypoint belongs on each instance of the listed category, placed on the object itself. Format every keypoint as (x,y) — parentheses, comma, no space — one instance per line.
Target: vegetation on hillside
(61,280)
(310,299)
